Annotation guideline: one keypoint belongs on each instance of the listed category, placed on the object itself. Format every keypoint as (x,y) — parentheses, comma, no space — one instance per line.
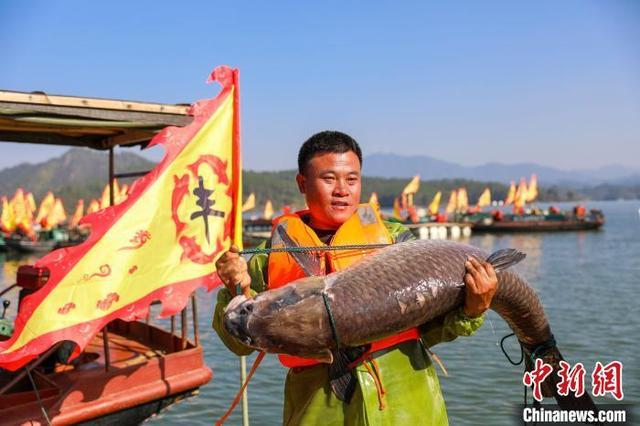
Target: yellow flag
(452,204)
(160,244)
(94,206)
(463,200)
(268,210)
(46,205)
(413,186)
(396,209)
(485,198)
(124,191)
(6,220)
(105,200)
(56,215)
(77,215)
(511,195)
(31,203)
(435,204)
(250,203)
(521,196)
(532,189)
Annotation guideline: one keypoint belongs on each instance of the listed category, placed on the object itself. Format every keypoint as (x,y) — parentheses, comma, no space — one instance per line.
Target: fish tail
(552,356)
(505,258)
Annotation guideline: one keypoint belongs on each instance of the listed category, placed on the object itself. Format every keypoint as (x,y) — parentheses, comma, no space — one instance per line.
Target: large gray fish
(401,286)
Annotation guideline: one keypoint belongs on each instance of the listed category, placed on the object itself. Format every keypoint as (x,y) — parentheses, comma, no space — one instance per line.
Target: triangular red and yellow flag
(250,203)
(46,205)
(160,244)
(94,206)
(77,215)
(268,210)
(511,195)
(435,204)
(532,189)
(7,223)
(485,198)
(463,200)
(452,204)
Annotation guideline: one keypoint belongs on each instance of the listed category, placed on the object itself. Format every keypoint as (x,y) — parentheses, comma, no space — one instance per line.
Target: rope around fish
(313,248)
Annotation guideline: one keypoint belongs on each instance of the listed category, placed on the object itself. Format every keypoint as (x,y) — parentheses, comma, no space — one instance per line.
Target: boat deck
(147,367)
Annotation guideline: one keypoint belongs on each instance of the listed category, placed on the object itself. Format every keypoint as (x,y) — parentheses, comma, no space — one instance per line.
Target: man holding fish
(390,381)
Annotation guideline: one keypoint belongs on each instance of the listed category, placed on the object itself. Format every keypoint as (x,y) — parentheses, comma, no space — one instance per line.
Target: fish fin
(505,258)
(309,263)
(341,378)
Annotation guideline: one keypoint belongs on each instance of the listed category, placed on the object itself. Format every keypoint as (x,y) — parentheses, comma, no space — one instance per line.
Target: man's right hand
(232,270)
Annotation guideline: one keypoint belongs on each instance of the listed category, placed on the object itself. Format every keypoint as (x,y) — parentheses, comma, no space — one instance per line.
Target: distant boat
(536,222)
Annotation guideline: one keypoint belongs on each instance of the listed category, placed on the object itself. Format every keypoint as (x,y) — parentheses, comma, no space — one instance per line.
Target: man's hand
(481,284)
(232,270)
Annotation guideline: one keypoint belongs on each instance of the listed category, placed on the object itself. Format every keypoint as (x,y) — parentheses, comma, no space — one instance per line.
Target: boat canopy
(40,118)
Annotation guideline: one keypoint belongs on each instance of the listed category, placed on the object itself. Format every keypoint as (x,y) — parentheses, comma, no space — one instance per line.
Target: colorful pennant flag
(452,204)
(268,210)
(46,205)
(161,243)
(250,203)
(511,195)
(435,204)
(463,200)
(413,186)
(77,215)
(532,189)
(485,198)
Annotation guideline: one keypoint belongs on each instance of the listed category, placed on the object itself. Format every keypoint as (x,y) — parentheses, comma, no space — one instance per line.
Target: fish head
(289,320)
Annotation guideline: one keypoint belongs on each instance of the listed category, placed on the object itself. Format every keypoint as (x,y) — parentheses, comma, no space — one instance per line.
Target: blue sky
(556,83)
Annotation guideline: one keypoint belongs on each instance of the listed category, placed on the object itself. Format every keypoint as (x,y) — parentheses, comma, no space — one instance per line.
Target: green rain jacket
(412,393)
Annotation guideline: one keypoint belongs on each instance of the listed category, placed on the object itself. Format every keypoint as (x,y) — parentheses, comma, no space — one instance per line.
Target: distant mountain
(82,173)
(78,173)
(399,166)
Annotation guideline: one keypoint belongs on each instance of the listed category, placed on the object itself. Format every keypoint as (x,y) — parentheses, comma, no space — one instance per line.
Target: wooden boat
(128,372)
(540,223)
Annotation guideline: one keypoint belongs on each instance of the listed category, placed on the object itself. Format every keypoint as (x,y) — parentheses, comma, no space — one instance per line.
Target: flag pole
(238,225)
(245,400)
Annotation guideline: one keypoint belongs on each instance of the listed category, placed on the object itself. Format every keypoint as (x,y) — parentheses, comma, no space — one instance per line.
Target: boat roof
(41,118)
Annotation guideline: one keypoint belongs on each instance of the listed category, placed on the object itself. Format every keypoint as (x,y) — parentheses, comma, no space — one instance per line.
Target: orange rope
(236,400)
(377,380)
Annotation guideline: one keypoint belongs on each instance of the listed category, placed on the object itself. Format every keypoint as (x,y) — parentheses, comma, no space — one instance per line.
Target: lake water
(589,285)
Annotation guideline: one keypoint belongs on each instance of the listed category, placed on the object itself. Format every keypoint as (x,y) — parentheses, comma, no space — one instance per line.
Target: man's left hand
(481,284)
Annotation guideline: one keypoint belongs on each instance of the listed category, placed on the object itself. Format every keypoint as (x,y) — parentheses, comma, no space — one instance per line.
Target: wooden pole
(105,330)
(245,400)
(194,312)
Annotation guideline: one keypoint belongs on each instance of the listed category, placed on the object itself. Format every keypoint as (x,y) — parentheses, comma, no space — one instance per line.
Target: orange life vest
(365,226)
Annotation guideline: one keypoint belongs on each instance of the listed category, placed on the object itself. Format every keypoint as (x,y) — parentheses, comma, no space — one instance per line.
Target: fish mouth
(236,319)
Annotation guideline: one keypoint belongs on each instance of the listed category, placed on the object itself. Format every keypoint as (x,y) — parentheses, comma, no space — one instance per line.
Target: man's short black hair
(327,141)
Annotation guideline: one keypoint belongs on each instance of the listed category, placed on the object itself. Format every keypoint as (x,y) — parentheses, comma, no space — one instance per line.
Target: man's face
(331,184)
